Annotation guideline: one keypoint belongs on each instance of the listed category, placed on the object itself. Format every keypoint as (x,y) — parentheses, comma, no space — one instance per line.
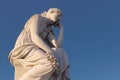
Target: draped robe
(30,61)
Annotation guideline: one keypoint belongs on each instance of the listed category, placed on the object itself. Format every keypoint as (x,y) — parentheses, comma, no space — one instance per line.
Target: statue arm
(52,38)
(61,35)
(37,40)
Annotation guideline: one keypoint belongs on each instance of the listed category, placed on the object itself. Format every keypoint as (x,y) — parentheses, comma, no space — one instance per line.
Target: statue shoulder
(35,16)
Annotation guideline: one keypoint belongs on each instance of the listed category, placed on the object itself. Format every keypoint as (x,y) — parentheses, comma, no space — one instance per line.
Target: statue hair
(51,10)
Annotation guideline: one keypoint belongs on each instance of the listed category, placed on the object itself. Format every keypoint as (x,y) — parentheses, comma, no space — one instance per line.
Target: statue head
(54,14)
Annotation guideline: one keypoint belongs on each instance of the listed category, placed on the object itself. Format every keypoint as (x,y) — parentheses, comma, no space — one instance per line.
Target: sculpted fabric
(31,62)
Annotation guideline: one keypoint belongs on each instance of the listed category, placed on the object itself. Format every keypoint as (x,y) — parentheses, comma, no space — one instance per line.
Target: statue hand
(58,24)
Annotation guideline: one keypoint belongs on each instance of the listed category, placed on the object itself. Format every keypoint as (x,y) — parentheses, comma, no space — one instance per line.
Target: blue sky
(92,29)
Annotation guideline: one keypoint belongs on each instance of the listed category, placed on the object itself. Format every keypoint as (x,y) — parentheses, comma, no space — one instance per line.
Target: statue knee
(42,70)
(60,50)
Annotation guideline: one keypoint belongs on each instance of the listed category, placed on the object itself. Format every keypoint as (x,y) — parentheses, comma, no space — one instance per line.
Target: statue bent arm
(56,43)
(60,37)
(35,30)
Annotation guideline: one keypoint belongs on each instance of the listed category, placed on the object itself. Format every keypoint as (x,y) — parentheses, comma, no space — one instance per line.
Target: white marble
(38,54)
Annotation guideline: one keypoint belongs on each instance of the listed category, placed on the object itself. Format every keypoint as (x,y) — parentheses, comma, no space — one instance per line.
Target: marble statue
(38,53)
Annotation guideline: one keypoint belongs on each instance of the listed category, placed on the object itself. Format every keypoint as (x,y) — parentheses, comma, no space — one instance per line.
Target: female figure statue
(37,54)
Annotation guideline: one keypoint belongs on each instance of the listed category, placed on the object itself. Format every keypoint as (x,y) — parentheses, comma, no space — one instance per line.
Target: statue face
(54,16)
